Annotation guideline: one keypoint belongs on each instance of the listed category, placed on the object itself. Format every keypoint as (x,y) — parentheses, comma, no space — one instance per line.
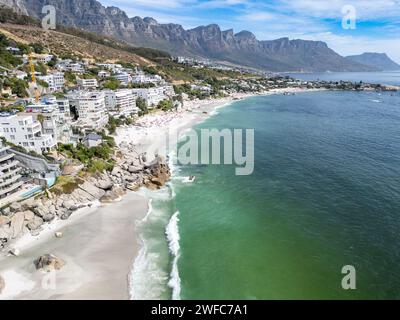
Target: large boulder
(6,211)
(48,263)
(91,189)
(135,169)
(110,197)
(118,190)
(2,284)
(15,206)
(66,215)
(48,217)
(29,215)
(35,223)
(41,210)
(116,171)
(69,204)
(17,224)
(29,204)
(104,183)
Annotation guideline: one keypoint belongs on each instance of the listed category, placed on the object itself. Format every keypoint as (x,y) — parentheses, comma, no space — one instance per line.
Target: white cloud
(366,9)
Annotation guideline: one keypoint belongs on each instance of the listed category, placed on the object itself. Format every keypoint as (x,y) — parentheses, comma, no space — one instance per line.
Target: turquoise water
(324,194)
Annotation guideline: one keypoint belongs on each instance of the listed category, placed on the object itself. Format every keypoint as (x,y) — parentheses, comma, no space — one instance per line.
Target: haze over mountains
(205,41)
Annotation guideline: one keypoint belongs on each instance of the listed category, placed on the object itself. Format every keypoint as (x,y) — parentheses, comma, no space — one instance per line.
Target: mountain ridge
(377,60)
(209,41)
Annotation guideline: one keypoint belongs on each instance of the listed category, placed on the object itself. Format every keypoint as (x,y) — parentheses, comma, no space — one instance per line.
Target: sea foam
(172,232)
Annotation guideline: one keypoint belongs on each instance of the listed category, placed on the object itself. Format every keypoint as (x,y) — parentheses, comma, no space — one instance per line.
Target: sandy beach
(100,244)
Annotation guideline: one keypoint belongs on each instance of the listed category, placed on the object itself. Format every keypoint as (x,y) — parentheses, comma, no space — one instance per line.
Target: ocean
(324,194)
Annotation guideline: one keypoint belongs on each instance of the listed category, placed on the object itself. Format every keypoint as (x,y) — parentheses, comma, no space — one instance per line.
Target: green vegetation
(7,59)
(70,77)
(112,84)
(114,123)
(17,86)
(37,47)
(95,159)
(42,83)
(17,108)
(142,105)
(65,185)
(165,105)
(178,72)
(41,67)
(52,63)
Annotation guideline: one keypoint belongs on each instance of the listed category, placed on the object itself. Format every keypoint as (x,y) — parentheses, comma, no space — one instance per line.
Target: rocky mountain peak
(205,41)
(150,21)
(245,35)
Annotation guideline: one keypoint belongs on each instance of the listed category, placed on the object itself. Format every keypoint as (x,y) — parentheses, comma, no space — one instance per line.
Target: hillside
(205,41)
(63,44)
(376,60)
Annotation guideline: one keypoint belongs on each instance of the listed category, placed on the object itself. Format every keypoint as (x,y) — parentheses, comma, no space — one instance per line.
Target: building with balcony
(10,179)
(123,77)
(121,102)
(152,96)
(23,130)
(87,83)
(90,108)
(55,81)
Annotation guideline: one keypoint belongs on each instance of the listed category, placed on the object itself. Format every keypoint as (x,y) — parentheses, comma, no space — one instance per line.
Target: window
(12,137)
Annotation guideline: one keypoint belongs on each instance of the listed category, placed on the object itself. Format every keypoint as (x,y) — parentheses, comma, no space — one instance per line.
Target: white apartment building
(124,78)
(53,121)
(63,109)
(20,74)
(75,68)
(10,179)
(168,90)
(152,96)
(44,58)
(87,83)
(91,109)
(110,66)
(55,81)
(143,78)
(104,74)
(25,131)
(121,102)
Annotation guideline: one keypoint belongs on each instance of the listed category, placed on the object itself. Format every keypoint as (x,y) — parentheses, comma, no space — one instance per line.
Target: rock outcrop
(48,263)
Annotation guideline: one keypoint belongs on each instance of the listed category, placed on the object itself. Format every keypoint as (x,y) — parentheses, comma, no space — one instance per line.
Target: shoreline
(85,275)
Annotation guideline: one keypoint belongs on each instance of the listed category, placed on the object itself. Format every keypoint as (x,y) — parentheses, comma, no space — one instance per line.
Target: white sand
(98,247)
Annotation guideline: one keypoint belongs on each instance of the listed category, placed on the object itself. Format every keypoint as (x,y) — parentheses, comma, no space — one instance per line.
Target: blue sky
(377,27)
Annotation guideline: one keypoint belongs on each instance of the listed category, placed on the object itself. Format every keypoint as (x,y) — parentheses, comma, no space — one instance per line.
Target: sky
(349,27)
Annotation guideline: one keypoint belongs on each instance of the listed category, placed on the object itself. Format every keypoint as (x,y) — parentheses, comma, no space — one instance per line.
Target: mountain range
(202,42)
